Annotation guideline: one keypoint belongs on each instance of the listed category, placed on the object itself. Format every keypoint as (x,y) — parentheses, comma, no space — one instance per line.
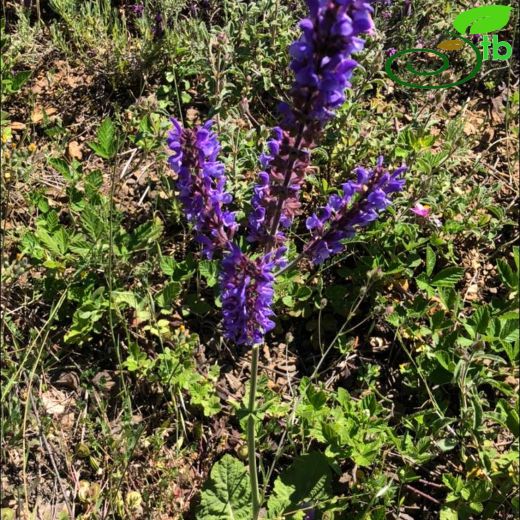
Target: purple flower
(321,58)
(273,189)
(201,182)
(391,51)
(158,28)
(138,10)
(247,295)
(339,219)
(322,65)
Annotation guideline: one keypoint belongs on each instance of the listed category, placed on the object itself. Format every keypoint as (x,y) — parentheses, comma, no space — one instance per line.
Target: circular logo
(444,65)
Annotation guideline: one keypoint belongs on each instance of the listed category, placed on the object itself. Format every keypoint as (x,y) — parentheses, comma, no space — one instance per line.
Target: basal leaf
(304,483)
(226,495)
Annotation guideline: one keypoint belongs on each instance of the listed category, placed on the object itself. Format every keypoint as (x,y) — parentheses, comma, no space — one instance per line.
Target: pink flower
(425,212)
(421,211)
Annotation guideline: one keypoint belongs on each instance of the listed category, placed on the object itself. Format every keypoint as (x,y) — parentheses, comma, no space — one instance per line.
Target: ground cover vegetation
(387,358)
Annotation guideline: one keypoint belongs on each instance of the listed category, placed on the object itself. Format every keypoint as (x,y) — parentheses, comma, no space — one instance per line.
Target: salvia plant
(322,63)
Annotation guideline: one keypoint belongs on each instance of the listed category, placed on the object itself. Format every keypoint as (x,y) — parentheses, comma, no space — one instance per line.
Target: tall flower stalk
(321,60)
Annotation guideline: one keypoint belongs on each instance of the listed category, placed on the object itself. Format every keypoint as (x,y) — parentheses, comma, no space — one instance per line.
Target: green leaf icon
(482,20)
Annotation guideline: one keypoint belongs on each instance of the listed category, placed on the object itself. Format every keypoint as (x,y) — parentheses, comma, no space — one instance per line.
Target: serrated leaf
(307,480)
(106,135)
(480,319)
(447,513)
(447,277)
(99,150)
(125,297)
(209,271)
(431,259)
(422,283)
(482,20)
(450,299)
(95,179)
(106,143)
(62,167)
(509,331)
(62,239)
(167,265)
(49,242)
(509,277)
(52,221)
(146,234)
(92,223)
(167,296)
(226,495)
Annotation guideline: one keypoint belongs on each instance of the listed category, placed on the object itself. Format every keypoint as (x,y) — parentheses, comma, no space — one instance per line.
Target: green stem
(251,448)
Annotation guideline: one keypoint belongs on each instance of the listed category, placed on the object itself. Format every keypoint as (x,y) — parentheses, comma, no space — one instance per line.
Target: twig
(51,457)
(422,494)
(127,165)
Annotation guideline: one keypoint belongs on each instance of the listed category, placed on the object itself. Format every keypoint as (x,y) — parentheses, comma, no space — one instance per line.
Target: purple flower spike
(247,295)
(339,219)
(158,27)
(322,65)
(321,58)
(201,182)
(271,188)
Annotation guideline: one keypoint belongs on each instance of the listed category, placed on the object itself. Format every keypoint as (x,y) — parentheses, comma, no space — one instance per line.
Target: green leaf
(167,296)
(209,271)
(288,301)
(431,259)
(125,297)
(447,513)
(62,239)
(62,167)
(48,241)
(509,331)
(167,264)
(307,480)
(146,234)
(20,79)
(482,20)
(447,277)
(226,496)
(480,319)
(106,143)
(92,223)
(509,277)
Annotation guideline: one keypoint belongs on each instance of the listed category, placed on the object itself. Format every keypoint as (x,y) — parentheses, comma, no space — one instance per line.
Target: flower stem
(251,448)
